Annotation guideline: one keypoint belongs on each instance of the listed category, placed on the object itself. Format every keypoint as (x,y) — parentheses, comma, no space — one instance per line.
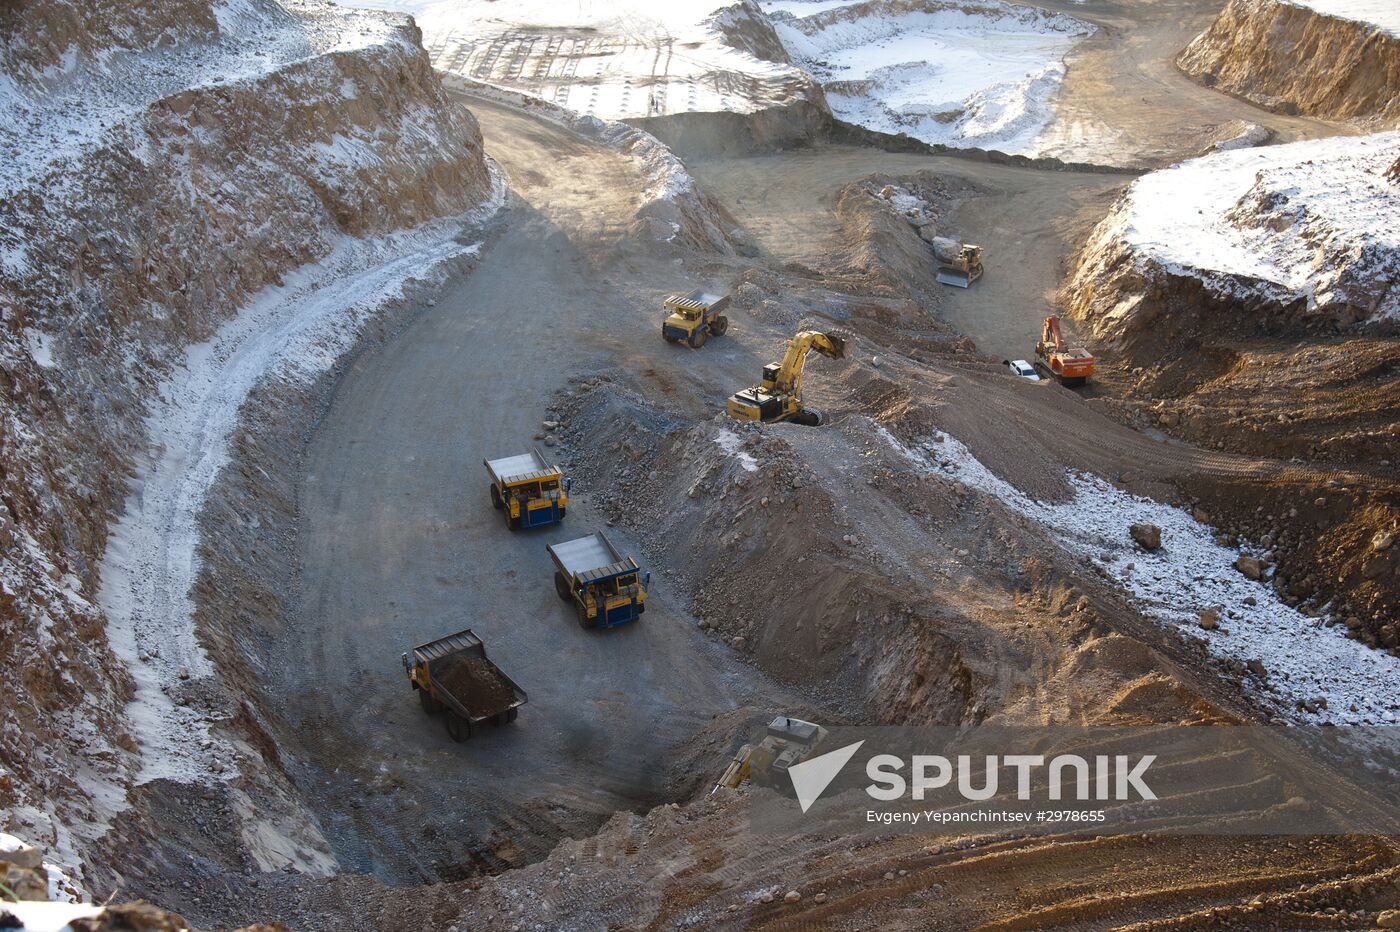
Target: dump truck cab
(694,317)
(607,589)
(530,491)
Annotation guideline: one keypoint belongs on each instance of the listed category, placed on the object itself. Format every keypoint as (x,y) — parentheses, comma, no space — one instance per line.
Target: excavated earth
(843,583)
(820,572)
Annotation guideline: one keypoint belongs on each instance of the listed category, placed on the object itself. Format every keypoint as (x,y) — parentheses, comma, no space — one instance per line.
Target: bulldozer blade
(953,277)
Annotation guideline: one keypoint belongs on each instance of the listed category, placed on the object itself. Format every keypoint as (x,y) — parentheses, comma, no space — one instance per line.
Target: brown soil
(477,684)
(1293,59)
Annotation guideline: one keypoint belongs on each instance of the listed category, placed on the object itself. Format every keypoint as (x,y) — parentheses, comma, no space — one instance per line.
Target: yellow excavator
(787,741)
(779,396)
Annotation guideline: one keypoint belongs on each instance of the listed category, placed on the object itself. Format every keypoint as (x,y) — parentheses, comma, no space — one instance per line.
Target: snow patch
(1305,659)
(1382,14)
(730,442)
(62,888)
(616,60)
(1316,220)
(977,74)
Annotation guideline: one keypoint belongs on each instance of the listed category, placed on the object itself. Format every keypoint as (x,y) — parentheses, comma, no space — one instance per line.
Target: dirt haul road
(399,544)
(1125,102)
(1025,219)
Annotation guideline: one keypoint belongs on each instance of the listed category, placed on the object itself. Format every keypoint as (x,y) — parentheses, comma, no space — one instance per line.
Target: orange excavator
(1069,365)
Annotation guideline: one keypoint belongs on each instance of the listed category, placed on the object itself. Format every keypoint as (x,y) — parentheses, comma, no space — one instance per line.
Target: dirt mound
(477,684)
(1287,57)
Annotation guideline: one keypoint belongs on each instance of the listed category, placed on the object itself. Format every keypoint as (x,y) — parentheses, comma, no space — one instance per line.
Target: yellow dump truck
(453,676)
(694,317)
(530,491)
(606,588)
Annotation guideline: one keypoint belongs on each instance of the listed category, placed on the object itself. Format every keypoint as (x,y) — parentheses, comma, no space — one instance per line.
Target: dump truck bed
(473,682)
(698,300)
(589,558)
(525,466)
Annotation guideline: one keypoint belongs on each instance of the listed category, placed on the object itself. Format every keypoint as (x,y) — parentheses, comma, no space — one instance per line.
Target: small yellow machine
(694,317)
(787,741)
(530,491)
(960,264)
(779,396)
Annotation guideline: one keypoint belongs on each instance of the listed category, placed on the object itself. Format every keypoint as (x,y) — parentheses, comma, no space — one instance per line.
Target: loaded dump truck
(959,264)
(453,676)
(530,491)
(694,317)
(606,588)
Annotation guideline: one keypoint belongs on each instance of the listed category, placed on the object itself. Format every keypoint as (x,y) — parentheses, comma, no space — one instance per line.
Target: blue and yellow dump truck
(530,491)
(606,588)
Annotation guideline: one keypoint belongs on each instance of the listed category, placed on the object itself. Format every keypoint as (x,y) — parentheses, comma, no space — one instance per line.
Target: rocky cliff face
(1246,302)
(168,161)
(1286,56)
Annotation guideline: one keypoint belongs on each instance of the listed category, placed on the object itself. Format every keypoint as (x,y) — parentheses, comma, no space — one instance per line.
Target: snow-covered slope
(1381,14)
(1304,660)
(613,60)
(165,162)
(979,73)
(1311,227)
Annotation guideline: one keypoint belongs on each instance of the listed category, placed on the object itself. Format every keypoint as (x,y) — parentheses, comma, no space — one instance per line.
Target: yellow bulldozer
(787,741)
(779,396)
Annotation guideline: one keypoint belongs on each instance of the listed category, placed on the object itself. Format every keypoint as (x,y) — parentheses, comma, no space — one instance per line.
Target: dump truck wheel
(430,705)
(457,729)
(561,586)
(496,501)
(584,621)
(512,715)
(698,340)
(512,523)
(562,512)
(720,326)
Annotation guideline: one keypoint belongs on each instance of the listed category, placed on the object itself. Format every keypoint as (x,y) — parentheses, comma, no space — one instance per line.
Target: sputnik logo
(811,777)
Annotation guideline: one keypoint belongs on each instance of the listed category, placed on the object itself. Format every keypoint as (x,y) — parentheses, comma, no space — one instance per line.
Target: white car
(1022,368)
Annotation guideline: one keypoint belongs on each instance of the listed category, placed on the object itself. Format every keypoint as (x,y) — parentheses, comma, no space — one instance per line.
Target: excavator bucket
(838,345)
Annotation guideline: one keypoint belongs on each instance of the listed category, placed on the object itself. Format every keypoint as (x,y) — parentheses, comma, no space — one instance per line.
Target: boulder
(1209,619)
(1253,567)
(1148,536)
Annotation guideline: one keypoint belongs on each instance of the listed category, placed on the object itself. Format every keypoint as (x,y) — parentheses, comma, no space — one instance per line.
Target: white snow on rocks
(1313,219)
(62,889)
(614,60)
(293,332)
(730,443)
(974,74)
(1304,658)
(65,112)
(1383,14)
